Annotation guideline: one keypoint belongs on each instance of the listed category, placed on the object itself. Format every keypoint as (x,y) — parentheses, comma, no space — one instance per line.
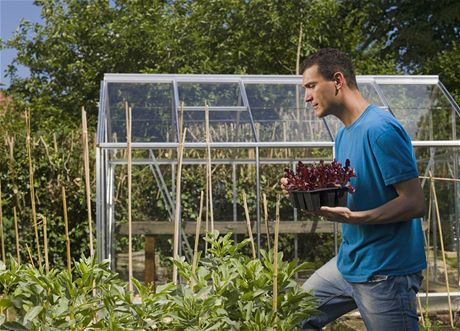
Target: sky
(11,13)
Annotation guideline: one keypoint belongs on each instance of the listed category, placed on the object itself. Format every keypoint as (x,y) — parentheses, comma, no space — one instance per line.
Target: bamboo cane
(177,211)
(297,71)
(10,142)
(266,218)
(427,283)
(87,178)
(45,245)
(32,189)
(441,178)
(420,307)
(197,235)
(66,226)
(55,142)
(178,207)
(248,222)
(275,257)
(1,226)
(178,197)
(438,217)
(208,168)
(207,204)
(30,256)
(16,229)
(130,234)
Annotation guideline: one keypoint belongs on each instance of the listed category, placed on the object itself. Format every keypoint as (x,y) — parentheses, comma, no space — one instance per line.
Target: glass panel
(215,94)
(153,117)
(370,94)
(280,114)
(442,162)
(423,110)
(224,126)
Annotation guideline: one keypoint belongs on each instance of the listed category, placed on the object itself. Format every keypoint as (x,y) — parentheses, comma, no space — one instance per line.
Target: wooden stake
(10,142)
(32,189)
(16,229)
(30,255)
(197,235)
(87,178)
(438,217)
(275,257)
(427,283)
(266,219)
(297,71)
(66,225)
(248,222)
(130,230)
(55,142)
(45,244)
(420,307)
(208,168)
(1,226)
(180,155)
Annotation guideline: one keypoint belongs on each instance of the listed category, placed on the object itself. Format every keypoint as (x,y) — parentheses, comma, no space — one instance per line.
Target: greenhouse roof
(264,110)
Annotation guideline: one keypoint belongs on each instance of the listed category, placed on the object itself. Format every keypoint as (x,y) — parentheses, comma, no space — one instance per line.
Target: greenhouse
(235,135)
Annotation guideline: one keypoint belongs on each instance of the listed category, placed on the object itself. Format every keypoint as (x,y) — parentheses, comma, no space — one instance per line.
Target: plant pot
(308,200)
(333,197)
(313,200)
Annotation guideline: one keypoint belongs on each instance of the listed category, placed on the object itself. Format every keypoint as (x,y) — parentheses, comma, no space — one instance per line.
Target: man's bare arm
(409,203)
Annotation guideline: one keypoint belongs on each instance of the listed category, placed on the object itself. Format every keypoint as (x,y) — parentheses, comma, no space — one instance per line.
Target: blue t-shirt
(381,153)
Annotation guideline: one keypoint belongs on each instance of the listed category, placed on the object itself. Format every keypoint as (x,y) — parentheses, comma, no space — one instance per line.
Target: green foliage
(241,289)
(228,291)
(57,161)
(412,31)
(446,64)
(79,41)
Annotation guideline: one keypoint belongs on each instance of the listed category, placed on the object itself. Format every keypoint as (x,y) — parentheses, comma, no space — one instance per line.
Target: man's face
(319,92)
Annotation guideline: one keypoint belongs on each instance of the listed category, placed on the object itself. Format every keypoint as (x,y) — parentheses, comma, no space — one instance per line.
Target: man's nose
(307,97)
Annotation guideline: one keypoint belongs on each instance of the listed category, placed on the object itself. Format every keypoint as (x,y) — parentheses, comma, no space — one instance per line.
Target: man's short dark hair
(330,61)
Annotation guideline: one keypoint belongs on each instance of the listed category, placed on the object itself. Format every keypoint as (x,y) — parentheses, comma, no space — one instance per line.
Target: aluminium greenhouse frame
(105,163)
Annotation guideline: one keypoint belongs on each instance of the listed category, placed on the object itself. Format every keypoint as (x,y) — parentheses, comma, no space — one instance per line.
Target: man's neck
(354,105)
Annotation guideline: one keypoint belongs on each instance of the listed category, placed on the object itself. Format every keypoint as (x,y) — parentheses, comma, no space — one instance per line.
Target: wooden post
(87,178)
(66,225)
(32,189)
(149,270)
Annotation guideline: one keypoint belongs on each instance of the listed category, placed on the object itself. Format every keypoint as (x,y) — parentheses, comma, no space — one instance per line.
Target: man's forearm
(397,210)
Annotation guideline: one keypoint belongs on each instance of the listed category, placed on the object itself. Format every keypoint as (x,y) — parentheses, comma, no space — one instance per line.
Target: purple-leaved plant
(318,176)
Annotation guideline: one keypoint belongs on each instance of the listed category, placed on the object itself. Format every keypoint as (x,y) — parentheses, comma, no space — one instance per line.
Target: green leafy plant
(227,291)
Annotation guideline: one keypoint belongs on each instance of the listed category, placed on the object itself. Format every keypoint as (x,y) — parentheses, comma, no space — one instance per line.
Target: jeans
(385,302)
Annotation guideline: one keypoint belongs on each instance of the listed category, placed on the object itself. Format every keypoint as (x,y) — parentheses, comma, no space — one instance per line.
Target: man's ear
(339,80)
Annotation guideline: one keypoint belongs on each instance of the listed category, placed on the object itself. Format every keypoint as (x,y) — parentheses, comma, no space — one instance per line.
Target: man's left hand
(338,214)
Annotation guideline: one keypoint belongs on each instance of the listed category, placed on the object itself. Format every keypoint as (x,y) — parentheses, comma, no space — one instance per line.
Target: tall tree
(80,40)
(414,31)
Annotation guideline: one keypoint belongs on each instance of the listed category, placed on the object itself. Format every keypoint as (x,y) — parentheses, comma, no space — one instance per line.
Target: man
(378,267)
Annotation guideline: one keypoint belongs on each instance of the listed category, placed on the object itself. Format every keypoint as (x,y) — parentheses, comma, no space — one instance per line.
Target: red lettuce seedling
(318,176)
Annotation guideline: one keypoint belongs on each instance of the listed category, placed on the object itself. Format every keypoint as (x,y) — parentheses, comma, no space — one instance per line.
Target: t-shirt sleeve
(395,156)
